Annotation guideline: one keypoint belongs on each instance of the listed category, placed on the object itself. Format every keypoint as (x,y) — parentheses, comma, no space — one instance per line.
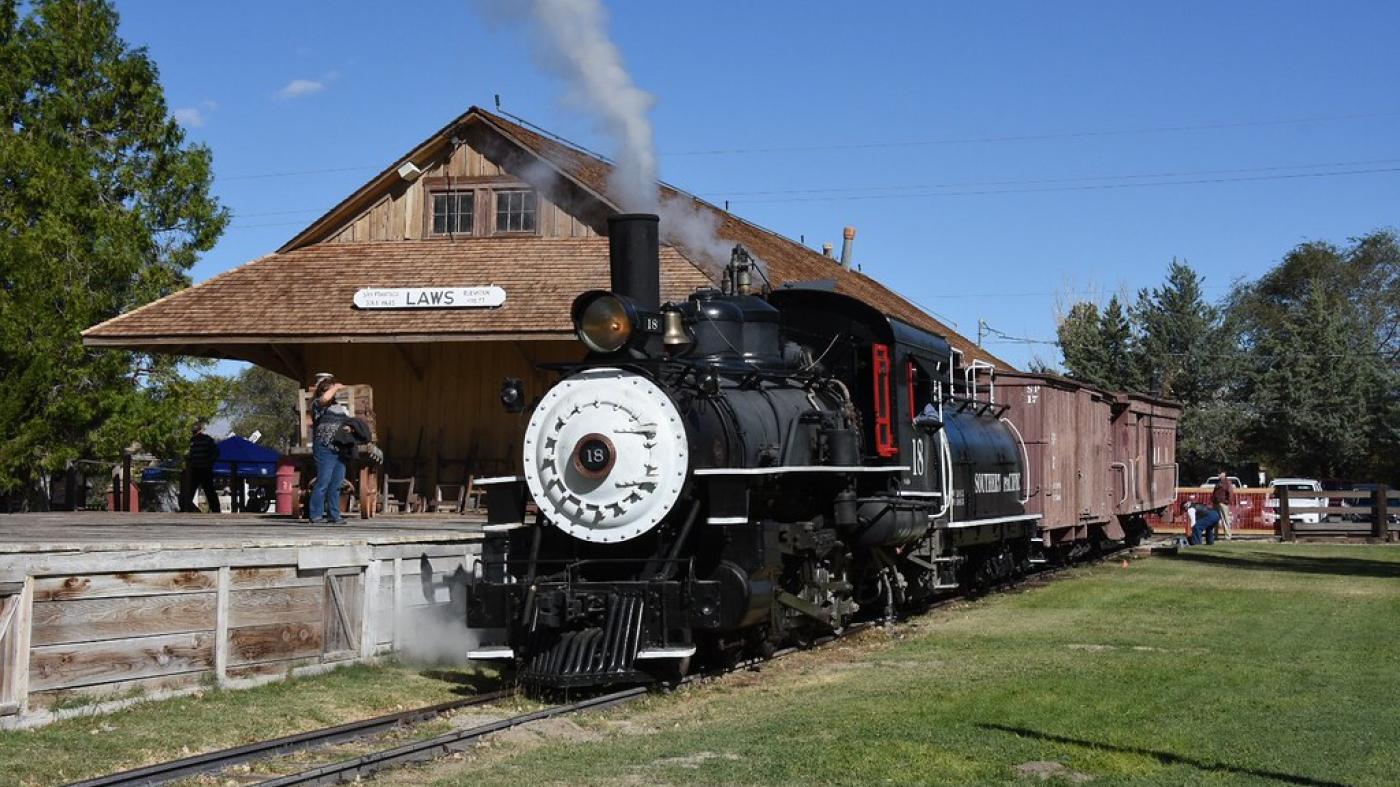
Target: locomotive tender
(748,468)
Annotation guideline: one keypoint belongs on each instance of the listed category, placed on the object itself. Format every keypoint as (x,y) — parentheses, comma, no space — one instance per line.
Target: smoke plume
(571,41)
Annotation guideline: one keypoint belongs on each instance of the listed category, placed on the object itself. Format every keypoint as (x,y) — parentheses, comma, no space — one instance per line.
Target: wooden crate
(358,400)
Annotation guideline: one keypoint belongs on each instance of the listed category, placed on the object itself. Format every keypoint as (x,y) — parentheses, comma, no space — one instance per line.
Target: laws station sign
(429,297)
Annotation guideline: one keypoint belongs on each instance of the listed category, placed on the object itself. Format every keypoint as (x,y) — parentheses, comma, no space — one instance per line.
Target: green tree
(104,207)
(264,401)
(1080,335)
(1319,331)
(1121,365)
(1177,336)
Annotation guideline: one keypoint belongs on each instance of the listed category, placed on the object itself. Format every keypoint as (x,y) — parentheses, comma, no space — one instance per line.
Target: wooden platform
(99,605)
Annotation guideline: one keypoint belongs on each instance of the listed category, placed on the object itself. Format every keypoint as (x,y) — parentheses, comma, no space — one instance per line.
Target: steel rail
(432,748)
(210,762)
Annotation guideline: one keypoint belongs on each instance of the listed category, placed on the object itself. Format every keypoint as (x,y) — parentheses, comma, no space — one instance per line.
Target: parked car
(1214,480)
(1365,517)
(1302,493)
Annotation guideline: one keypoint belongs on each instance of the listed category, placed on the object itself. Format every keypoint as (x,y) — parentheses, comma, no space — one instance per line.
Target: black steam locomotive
(749,468)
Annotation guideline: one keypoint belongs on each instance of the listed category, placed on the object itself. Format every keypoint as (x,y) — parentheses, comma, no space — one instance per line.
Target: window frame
(496,193)
(430,215)
(484,190)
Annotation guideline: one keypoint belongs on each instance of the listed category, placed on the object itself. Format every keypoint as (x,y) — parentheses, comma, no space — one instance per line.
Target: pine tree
(1121,365)
(1081,342)
(1177,326)
(1313,389)
(104,207)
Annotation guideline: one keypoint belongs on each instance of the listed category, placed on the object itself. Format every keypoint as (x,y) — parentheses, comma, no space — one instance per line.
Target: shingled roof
(307,294)
(286,296)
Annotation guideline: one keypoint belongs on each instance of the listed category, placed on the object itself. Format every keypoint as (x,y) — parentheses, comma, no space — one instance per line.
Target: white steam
(571,41)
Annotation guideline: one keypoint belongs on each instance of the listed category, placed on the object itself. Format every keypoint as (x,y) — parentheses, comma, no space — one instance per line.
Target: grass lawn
(1243,663)
(156,731)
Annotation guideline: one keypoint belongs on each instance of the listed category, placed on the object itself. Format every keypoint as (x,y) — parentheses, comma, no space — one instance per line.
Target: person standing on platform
(327,416)
(200,465)
(1222,497)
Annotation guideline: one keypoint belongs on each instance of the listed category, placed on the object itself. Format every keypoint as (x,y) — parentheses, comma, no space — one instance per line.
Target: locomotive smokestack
(634,256)
(850,235)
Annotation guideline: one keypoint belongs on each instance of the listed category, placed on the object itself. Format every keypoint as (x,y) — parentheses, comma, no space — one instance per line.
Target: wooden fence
(1365,513)
(1261,510)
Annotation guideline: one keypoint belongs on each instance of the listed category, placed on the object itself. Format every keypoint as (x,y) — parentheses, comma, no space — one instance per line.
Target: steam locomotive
(752,467)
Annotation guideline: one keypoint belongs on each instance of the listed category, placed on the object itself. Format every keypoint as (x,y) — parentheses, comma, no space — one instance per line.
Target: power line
(907,143)
(1094,187)
(1034,137)
(293,173)
(1043,181)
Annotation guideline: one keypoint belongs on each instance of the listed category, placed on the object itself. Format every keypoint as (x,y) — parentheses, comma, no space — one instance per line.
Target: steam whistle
(738,276)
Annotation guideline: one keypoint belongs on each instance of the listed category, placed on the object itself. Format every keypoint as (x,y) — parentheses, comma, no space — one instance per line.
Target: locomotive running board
(996,520)
(482,654)
(801,469)
(665,653)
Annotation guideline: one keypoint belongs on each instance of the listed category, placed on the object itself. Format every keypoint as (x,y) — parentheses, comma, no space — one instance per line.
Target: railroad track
(442,745)
(211,762)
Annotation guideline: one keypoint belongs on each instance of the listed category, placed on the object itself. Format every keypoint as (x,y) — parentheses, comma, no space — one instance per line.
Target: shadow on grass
(1303,564)
(468,683)
(1164,757)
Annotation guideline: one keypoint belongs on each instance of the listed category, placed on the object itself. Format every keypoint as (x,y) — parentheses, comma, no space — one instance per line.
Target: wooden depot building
(514,217)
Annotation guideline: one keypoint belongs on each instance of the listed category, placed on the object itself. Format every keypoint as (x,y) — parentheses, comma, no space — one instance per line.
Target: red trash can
(287,475)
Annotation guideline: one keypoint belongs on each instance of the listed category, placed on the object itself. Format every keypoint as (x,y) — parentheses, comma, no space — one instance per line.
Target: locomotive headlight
(605,323)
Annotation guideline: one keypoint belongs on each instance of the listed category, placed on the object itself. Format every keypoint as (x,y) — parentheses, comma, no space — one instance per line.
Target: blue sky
(989,153)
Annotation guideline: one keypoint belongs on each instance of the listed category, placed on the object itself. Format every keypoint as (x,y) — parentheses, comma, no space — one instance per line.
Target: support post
(368,633)
(221,626)
(1380,513)
(127,500)
(1285,520)
(398,604)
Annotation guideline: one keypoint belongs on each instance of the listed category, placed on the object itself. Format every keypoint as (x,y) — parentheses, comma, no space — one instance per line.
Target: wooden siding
(481,161)
(440,401)
(84,638)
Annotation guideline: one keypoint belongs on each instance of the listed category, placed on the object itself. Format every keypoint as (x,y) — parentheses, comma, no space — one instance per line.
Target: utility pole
(982,329)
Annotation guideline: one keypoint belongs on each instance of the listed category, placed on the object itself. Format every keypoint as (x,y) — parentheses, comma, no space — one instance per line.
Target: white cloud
(300,87)
(189,117)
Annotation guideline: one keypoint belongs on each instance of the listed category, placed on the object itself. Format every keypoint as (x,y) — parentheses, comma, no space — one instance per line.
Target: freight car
(1099,462)
(748,468)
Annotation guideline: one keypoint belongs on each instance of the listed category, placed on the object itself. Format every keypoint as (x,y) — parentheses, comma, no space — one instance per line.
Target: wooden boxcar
(1144,454)
(1097,462)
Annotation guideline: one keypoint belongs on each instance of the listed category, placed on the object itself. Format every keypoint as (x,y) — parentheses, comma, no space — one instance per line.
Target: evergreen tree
(1081,342)
(1321,332)
(1313,390)
(1121,364)
(104,207)
(1177,328)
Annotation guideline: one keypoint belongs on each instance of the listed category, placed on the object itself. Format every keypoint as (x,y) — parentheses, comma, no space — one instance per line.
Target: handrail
(945,461)
(1124,468)
(1025,461)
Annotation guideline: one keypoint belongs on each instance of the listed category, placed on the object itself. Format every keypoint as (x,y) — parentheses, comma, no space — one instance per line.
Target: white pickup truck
(1302,493)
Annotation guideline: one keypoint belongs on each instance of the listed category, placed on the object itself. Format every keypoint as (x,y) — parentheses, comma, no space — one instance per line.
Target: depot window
(453,212)
(515,210)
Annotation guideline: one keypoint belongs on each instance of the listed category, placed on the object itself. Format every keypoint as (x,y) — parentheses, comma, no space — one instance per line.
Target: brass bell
(674,330)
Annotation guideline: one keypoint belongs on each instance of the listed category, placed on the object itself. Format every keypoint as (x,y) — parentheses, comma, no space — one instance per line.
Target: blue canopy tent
(244,460)
(238,460)
(247,458)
